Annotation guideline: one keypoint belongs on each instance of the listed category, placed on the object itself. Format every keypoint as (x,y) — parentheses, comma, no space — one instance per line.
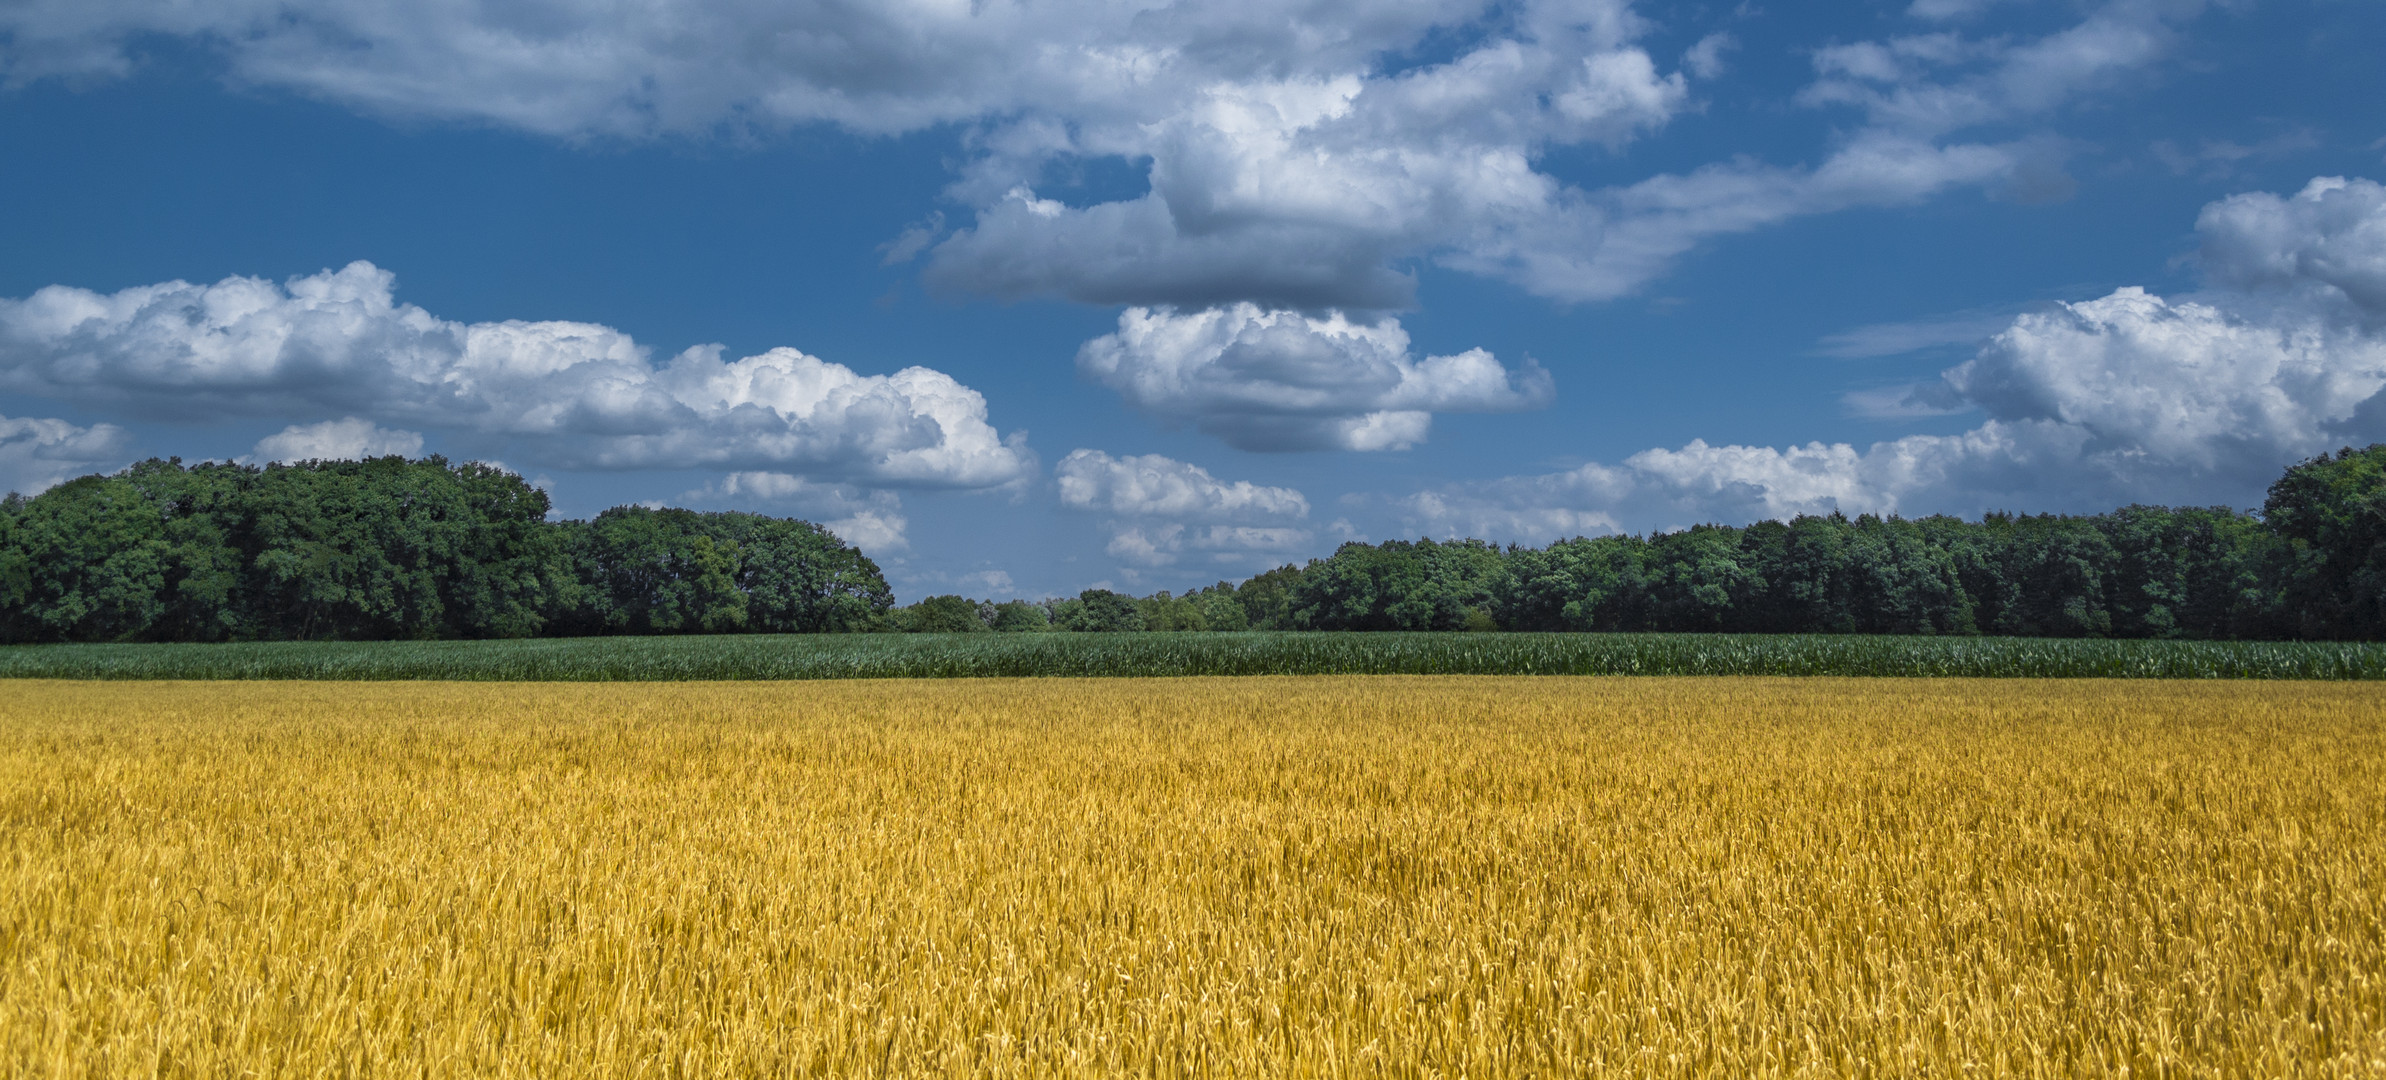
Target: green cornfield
(870,656)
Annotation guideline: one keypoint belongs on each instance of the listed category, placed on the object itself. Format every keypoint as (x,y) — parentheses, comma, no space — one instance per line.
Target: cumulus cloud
(1297,191)
(2325,243)
(2129,397)
(1163,508)
(345,438)
(38,454)
(1281,380)
(1295,156)
(2185,384)
(574,395)
(1153,485)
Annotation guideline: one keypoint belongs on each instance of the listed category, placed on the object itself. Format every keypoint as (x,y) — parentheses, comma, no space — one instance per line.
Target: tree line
(393,548)
(2310,564)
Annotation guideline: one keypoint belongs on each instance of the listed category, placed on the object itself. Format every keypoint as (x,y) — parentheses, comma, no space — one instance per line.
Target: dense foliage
(391,548)
(976,654)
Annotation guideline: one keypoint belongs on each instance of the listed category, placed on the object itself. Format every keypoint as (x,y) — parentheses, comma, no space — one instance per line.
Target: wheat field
(1332,876)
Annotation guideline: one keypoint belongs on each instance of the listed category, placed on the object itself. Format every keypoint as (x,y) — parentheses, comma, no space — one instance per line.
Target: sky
(1023,298)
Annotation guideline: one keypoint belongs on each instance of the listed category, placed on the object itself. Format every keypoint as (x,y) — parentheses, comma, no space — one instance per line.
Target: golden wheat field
(1368,876)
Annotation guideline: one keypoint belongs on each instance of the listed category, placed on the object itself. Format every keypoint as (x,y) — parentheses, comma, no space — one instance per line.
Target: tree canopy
(397,548)
(392,548)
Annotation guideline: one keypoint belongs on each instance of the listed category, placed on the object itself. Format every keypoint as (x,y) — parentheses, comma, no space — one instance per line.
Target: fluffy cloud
(2130,397)
(2178,385)
(1302,190)
(574,395)
(2327,243)
(1294,154)
(1281,380)
(345,438)
(1164,508)
(1297,190)
(37,454)
(1151,485)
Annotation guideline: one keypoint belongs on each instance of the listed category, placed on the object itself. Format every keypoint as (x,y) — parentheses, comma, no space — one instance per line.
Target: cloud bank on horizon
(1300,172)
(576,395)
(2128,398)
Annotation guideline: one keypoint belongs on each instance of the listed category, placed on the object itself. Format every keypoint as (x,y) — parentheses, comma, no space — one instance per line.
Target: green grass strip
(872,656)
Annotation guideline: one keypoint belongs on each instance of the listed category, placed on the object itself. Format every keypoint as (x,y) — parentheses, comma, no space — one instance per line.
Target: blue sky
(1028,297)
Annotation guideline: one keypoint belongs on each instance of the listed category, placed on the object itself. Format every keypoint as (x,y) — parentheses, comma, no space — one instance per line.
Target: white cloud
(575,395)
(1165,508)
(1705,59)
(1296,190)
(1300,192)
(1897,338)
(2130,397)
(1281,380)
(870,520)
(991,582)
(38,454)
(1164,544)
(1293,158)
(908,244)
(347,438)
(871,530)
(2185,384)
(1609,243)
(2326,242)
(1990,80)
(1151,485)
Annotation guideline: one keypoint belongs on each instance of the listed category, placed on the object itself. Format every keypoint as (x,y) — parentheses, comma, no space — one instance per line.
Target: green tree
(647,571)
(1267,598)
(1100,611)
(2038,575)
(1896,581)
(1162,611)
(1020,617)
(1595,583)
(942,615)
(1222,610)
(1695,578)
(89,560)
(2331,514)
(2196,572)
(391,548)
(1397,585)
(798,578)
(342,549)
